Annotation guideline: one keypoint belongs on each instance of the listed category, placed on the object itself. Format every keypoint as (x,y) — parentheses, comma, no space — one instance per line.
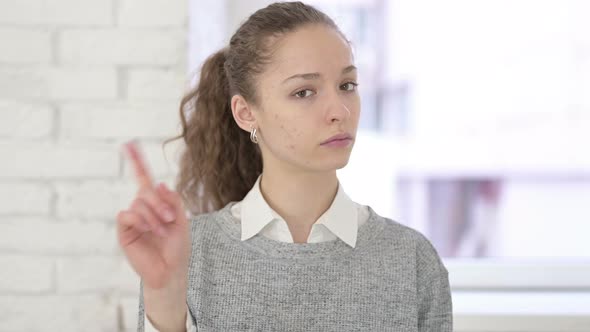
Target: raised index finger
(140,168)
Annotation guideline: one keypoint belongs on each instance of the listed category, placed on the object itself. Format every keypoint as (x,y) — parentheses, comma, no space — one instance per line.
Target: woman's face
(307,95)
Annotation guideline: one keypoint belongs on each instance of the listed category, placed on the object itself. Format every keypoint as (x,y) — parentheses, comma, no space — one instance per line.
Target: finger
(130,226)
(171,197)
(140,168)
(145,211)
(129,219)
(164,210)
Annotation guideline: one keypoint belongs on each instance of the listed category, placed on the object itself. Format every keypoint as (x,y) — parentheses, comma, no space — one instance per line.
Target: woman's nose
(337,109)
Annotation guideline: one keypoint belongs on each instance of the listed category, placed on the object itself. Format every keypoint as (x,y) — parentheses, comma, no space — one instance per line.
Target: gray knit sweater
(393,280)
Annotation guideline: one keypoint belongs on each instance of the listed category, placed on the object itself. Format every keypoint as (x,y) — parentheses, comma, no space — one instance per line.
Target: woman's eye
(349,86)
(304,93)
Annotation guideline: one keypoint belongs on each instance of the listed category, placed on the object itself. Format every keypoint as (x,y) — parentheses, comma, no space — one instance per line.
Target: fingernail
(168,215)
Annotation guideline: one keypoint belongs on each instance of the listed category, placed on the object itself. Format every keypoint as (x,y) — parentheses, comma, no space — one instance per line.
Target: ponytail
(220,163)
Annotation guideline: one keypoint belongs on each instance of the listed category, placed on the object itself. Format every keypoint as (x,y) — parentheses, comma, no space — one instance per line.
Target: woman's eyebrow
(313,76)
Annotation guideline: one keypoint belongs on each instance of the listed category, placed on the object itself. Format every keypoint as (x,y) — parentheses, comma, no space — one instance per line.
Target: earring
(253,136)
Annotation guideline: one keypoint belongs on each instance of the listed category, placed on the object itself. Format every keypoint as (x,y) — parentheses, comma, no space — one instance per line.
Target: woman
(273,242)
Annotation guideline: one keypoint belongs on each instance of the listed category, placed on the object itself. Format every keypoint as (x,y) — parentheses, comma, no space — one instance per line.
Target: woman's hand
(154,231)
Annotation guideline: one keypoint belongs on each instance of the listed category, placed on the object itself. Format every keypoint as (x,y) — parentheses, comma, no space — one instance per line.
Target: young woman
(271,241)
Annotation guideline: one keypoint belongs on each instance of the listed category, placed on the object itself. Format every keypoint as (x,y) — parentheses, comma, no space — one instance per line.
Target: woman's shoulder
(394,228)
(198,221)
(412,239)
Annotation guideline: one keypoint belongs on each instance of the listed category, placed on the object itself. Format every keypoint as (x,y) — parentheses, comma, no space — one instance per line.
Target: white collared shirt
(341,220)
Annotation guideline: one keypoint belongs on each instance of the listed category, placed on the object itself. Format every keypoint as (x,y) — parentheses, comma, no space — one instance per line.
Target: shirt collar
(341,218)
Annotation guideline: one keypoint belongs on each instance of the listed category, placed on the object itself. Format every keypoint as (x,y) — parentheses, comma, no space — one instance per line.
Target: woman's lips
(338,142)
(340,136)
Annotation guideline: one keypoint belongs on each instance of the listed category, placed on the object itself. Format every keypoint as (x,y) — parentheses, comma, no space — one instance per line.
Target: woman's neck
(300,199)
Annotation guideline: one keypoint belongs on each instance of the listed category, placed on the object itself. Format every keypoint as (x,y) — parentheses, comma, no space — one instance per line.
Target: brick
(79,200)
(25,45)
(67,161)
(22,12)
(96,274)
(96,121)
(82,83)
(52,83)
(156,84)
(55,313)
(152,13)
(25,198)
(26,274)
(42,236)
(57,12)
(25,120)
(122,46)
(80,12)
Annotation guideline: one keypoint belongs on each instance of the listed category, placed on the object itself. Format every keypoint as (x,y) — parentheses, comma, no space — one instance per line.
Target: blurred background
(474,129)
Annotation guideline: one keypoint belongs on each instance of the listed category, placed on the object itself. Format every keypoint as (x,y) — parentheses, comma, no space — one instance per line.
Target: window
(478,129)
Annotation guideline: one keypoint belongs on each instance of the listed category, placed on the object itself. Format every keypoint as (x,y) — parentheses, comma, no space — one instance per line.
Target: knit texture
(394,280)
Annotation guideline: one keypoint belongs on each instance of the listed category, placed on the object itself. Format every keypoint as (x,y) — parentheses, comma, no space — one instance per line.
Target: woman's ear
(243,113)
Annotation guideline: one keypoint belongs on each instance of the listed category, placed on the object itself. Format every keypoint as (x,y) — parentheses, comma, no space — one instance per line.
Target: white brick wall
(57,83)
(20,120)
(153,84)
(77,79)
(34,198)
(21,45)
(161,13)
(52,14)
(90,313)
(121,46)
(28,274)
